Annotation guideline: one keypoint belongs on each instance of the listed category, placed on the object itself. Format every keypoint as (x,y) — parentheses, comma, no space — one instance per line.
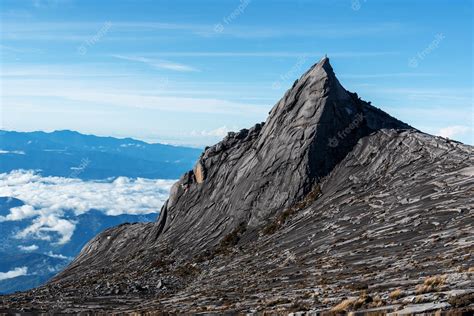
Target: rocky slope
(329,204)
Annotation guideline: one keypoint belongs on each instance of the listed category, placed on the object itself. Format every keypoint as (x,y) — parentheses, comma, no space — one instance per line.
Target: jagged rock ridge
(324,186)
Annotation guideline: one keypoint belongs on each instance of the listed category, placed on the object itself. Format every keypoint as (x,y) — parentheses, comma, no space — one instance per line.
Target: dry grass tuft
(395,294)
(344,306)
(353,303)
(377,302)
(436,280)
(419,299)
(431,284)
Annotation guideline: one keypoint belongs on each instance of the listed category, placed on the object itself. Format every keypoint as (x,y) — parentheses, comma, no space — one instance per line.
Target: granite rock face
(253,174)
(330,199)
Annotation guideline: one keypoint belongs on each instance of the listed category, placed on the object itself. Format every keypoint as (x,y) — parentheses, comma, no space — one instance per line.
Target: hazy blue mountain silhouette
(68,153)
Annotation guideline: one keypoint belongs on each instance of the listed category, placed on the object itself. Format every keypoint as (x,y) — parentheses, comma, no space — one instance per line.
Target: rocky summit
(329,206)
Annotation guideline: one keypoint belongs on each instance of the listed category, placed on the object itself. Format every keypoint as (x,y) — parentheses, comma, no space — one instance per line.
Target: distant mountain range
(71,154)
(30,261)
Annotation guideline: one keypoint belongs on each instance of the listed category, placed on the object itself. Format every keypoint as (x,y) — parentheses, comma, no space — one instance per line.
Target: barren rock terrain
(331,205)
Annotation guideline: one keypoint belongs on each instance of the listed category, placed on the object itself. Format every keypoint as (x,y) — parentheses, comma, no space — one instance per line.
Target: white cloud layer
(58,256)
(47,198)
(452,131)
(218,132)
(28,248)
(13,273)
(19,213)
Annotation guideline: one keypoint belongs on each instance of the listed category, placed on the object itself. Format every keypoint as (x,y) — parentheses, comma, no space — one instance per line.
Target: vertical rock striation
(253,174)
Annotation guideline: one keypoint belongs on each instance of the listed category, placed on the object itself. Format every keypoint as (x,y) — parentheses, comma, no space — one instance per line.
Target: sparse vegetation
(344,306)
(225,245)
(287,213)
(298,306)
(431,284)
(231,239)
(278,301)
(353,303)
(363,299)
(395,294)
(377,302)
(358,286)
(185,271)
(461,300)
(419,299)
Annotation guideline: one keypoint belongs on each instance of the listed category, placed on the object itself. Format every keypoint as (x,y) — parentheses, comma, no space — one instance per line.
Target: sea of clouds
(47,199)
(13,273)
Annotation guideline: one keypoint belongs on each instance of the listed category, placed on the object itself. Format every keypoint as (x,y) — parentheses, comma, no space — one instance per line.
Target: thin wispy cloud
(47,4)
(5,48)
(266,54)
(15,14)
(439,95)
(328,30)
(77,30)
(169,63)
(119,97)
(388,75)
(158,64)
(28,248)
(70,71)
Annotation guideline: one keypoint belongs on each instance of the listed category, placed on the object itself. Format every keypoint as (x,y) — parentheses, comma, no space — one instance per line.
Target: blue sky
(186,72)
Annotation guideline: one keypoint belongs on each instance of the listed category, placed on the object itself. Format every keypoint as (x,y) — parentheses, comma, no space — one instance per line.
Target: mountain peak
(316,85)
(314,196)
(254,174)
(323,66)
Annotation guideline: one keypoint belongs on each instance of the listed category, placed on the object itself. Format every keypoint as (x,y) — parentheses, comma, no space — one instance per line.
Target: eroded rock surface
(329,204)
